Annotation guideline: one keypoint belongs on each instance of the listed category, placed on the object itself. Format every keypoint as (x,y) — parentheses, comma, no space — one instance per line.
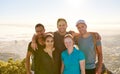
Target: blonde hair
(68,36)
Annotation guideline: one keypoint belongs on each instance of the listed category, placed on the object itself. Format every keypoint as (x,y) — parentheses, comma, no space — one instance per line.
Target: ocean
(14,41)
(25,32)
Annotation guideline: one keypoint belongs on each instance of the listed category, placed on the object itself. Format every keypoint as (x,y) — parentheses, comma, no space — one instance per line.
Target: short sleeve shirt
(46,64)
(87,46)
(32,57)
(34,53)
(71,61)
(59,41)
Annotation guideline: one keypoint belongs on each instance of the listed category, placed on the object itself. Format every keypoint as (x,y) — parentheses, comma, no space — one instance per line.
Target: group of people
(54,52)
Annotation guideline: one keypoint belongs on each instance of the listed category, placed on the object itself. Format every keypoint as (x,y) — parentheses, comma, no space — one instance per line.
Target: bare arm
(27,62)
(62,67)
(98,37)
(73,33)
(82,66)
(34,44)
(100,59)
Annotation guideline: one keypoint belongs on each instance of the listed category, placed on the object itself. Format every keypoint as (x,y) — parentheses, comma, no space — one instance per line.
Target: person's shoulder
(49,32)
(55,33)
(76,50)
(29,44)
(96,35)
(64,52)
(79,51)
(29,48)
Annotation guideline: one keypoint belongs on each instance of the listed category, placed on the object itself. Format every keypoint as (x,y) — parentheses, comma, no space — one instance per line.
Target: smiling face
(49,42)
(68,41)
(82,28)
(62,26)
(40,31)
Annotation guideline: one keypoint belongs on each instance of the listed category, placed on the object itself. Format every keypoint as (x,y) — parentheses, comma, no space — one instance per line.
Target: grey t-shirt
(87,46)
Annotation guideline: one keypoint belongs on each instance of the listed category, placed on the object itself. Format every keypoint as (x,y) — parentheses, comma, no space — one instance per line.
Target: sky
(30,12)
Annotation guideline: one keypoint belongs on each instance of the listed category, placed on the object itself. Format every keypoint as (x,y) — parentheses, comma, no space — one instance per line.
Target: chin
(62,31)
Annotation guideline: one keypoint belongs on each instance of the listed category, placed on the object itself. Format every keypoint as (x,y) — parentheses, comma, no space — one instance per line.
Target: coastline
(17,50)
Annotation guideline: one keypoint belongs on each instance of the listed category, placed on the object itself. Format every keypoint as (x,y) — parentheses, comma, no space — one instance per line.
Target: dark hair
(61,19)
(39,25)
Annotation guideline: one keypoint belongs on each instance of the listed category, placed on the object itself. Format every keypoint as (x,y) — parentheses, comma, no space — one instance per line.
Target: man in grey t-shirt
(86,44)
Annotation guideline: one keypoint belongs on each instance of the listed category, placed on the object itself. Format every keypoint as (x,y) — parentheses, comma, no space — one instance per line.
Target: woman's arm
(62,67)
(34,44)
(82,66)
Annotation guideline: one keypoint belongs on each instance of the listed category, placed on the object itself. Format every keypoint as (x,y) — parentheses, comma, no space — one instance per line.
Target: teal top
(71,61)
(87,46)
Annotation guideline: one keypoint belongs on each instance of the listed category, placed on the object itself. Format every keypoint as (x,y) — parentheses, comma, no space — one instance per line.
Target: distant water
(25,32)
(14,32)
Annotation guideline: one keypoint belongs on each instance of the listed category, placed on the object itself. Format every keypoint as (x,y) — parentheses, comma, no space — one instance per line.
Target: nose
(39,32)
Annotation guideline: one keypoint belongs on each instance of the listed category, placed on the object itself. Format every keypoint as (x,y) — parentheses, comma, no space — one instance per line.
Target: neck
(70,50)
(85,35)
(62,33)
(49,48)
(40,41)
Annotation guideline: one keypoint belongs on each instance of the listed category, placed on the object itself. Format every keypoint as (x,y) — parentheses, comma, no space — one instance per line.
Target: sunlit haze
(27,13)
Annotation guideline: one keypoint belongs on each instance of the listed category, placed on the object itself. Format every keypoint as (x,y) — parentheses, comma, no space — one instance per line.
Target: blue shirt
(87,46)
(71,61)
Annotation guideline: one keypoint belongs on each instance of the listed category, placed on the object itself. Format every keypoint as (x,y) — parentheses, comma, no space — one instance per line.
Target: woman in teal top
(73,60)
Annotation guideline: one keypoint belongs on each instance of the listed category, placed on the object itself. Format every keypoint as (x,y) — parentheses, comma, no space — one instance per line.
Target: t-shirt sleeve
(81,56)
(29,47)
(98,43)
(62,56)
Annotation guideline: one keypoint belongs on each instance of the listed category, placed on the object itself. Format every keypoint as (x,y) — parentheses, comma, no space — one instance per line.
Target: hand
(29,72)
(98,37)
(34,45)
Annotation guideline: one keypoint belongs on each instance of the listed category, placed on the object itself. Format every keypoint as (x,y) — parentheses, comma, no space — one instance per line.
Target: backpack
(104,69)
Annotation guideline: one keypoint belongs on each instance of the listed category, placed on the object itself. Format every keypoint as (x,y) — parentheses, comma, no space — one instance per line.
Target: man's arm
(73,33)
(97,36)
(27,62)
(34,44)
(100,59)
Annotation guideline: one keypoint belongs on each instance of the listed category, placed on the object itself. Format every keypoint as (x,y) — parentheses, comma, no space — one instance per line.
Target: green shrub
(12,67)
